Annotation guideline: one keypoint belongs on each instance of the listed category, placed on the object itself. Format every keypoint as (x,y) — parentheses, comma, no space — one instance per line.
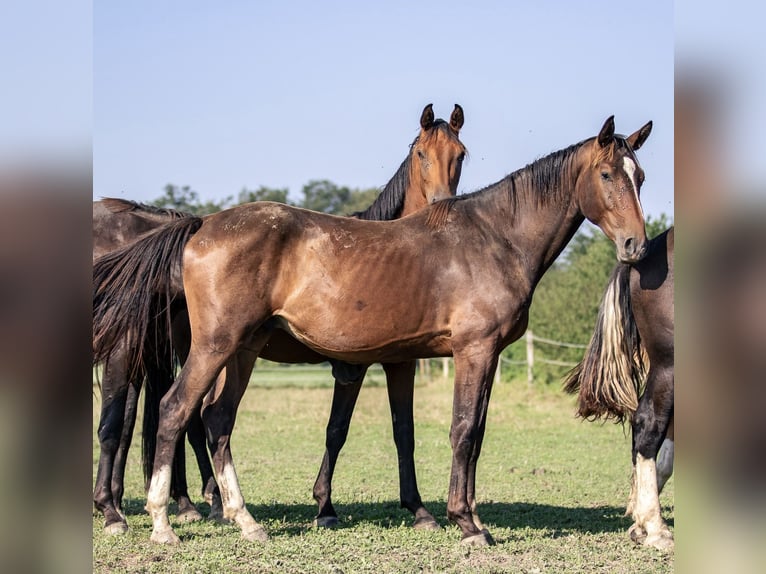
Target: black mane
(389,203)
(118,205)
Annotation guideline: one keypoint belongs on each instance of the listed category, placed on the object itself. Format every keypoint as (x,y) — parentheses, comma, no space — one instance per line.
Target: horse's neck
(537,231)
(414,199)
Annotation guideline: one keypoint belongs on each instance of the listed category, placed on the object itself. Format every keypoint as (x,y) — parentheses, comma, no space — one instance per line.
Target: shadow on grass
(293,519)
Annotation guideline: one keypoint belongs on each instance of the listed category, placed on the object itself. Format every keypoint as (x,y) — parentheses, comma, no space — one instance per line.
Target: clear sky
(226,95)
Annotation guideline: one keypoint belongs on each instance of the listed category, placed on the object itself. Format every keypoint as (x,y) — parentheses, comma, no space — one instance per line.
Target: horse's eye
(421,155)
(461,157)
(605,176)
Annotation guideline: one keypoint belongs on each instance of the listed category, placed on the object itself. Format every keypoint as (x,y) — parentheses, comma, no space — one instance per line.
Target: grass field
(551,489)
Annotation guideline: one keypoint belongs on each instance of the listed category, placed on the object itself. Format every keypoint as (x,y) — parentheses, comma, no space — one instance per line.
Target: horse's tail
(610,376)
(159,378)
(133,288)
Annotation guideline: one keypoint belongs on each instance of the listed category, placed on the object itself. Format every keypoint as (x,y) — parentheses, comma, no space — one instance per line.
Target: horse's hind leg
(400,378)
(650,424)
(126,437)
(218,414)
(176,409)
(195,432)
(343,402)
(114,390)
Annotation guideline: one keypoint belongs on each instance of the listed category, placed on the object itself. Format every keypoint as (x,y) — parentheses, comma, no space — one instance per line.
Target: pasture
(551,488)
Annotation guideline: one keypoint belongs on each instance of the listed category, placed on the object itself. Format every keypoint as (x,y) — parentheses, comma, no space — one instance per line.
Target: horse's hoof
(257,534)
(483,538)
(325,522)
(637,534)
(116,528)
(426,523)
(662,541)
(165,537)
(191,515)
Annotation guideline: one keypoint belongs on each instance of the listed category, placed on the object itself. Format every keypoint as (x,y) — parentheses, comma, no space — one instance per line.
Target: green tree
(186,199)
(359,200)
(263,193)
(323,195)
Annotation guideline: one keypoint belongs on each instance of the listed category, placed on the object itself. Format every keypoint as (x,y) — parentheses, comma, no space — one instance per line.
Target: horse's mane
(541,180)
(117,205)
(390,201)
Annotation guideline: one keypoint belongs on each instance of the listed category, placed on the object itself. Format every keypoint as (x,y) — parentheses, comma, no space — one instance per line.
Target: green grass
(551,489)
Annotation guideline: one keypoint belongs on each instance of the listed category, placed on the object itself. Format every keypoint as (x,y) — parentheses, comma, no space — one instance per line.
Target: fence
(273,374)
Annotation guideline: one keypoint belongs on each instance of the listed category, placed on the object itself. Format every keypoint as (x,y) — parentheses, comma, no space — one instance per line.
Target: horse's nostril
(629,245)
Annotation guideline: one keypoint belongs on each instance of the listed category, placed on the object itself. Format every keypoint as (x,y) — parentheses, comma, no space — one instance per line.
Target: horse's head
(437,156)
(609,188)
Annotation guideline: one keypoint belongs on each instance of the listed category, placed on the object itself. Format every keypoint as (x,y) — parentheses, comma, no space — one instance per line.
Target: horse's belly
(365,344)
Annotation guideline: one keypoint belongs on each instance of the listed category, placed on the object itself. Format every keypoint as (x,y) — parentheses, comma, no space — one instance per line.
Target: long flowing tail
(133,288)
(610,376)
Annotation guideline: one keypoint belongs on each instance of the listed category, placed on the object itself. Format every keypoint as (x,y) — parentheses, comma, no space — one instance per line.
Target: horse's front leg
(474,371)
(344,399)
(400,378)
(218,415)
(650,425)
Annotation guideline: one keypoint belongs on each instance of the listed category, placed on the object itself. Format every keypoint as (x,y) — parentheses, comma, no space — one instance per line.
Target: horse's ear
(456,119)
(637,139)
(427,117)
(606,135)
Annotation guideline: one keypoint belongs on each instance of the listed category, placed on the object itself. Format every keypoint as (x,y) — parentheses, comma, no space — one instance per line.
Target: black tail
(610,376)
(133,288)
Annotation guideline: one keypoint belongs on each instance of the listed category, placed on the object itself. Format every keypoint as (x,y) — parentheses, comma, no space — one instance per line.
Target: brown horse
(430,172)
(455,278)
(635,323)
(117,223)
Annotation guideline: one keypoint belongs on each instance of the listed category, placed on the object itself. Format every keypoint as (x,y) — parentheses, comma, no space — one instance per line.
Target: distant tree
(323,195)
(263,193)
(359,200)
(186,199)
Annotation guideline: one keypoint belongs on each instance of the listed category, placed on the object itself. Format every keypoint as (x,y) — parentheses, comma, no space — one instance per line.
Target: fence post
(445,368)
(530,356)
(497,370)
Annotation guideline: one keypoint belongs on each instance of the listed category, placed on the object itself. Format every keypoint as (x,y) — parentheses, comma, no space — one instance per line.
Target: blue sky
(221,96)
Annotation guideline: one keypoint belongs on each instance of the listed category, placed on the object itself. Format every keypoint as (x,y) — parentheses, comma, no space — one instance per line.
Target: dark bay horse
(635,324)
(430,172)
(456,278)
(117,223)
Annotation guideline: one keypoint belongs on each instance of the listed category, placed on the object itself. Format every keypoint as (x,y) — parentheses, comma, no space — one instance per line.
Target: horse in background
(364,292)
(117,223)
(635,326)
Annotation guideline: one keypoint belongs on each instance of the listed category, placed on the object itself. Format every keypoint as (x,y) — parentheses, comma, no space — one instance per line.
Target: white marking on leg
(630,169)
(159,493)
(647,511)
(234,508)
(664,463)
(157,505)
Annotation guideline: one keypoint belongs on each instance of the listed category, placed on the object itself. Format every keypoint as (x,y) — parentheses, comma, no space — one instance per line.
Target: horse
(635,325)
(430,171)
(116,223)
(455,278)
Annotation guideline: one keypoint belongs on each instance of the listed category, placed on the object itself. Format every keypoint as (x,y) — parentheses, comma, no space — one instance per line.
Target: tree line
(565,303)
